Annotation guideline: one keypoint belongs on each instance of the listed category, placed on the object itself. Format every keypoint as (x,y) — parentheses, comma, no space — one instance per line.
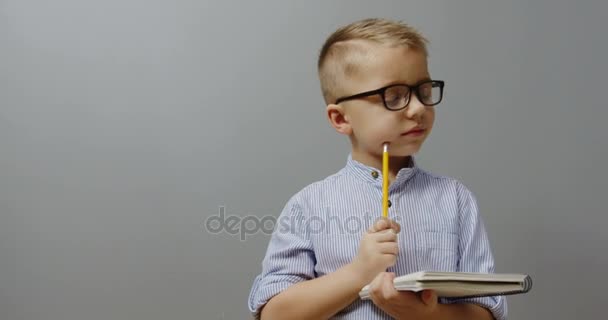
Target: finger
(375,287)
(429,297)
(409,298)
(389,248)
(385,236)
(381,224)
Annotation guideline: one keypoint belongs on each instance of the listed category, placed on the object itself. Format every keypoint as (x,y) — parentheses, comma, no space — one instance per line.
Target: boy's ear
(339,119)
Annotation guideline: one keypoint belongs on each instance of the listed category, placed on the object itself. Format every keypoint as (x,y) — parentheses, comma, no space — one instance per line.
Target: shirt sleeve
(289,258)
(475,252)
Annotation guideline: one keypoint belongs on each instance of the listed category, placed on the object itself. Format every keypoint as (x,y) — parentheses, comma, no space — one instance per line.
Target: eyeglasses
(397,96)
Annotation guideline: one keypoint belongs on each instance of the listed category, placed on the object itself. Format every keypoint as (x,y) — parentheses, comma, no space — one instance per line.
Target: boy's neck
(395,163)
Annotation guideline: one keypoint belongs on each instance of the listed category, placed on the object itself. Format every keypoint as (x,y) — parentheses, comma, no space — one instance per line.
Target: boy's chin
(394,150)
(403,151)
(401,154)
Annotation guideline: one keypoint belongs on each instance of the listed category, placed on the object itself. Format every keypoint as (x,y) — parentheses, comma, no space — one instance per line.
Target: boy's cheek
(383,133)
(429,119)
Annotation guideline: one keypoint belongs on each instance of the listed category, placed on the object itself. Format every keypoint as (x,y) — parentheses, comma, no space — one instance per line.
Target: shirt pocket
(437,251)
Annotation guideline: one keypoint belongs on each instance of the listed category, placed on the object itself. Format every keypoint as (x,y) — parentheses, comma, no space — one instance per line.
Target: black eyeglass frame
(411,89)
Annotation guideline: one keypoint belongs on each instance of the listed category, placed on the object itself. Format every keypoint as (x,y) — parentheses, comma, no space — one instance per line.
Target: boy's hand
(403,304)
(378,249)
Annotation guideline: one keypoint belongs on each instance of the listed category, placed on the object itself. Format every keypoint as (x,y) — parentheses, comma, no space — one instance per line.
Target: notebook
(461,284)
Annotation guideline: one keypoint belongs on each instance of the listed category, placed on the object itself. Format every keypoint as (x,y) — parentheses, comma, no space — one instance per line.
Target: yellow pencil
(385,181)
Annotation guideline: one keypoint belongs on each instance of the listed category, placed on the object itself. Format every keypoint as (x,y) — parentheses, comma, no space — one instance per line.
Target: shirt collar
(372,175)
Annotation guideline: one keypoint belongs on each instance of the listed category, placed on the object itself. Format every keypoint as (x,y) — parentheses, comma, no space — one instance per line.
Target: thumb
(381,223)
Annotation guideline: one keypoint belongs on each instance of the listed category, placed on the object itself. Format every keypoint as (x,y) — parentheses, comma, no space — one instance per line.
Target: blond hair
(341,53)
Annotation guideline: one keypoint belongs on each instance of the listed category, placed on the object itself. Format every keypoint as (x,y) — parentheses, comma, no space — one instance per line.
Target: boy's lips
(414,131)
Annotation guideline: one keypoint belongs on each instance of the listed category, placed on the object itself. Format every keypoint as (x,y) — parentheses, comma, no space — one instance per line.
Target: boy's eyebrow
(411,85)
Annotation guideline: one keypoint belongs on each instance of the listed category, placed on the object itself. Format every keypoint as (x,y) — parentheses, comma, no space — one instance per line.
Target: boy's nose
(415,109)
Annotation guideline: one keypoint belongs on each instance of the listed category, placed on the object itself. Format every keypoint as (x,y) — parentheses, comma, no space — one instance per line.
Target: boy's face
(367,122)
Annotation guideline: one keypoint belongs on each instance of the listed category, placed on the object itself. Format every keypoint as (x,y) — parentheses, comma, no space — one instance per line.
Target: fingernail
(427,295)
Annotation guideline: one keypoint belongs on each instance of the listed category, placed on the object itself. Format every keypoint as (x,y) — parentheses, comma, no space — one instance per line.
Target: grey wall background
(125,124)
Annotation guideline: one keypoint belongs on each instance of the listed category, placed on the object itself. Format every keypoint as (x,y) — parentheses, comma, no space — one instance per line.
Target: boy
(377,87)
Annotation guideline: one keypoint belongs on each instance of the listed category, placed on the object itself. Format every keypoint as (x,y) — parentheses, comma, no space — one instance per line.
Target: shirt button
(375,174)
(389,203)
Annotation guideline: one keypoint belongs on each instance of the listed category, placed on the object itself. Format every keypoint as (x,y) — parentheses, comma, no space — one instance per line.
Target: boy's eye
(395,95)
(392,98)
(426,91)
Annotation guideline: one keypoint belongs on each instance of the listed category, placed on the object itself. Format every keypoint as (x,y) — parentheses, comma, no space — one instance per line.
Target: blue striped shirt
(320,227)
